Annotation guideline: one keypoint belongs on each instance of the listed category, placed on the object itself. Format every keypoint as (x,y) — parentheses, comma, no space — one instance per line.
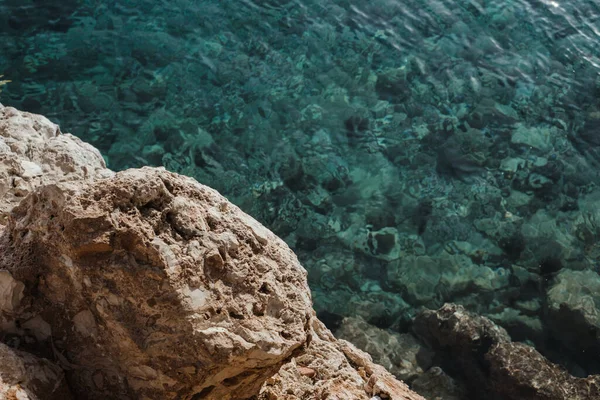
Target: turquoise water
(412,153)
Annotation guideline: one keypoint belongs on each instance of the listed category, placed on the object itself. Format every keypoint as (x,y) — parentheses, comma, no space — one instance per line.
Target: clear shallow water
(411,153)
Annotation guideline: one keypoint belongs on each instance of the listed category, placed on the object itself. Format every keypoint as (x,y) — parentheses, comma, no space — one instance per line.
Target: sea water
(410,152)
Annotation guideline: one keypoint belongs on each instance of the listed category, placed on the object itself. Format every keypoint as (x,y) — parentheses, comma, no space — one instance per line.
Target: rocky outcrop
(34,152)
(146,284)
(464,338)
(519,372)
(156,284)
(493,367)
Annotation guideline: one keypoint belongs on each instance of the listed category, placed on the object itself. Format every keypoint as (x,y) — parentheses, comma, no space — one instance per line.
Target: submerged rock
(429,281)
(537,137)
(573,303)
(400,353)
(464,154)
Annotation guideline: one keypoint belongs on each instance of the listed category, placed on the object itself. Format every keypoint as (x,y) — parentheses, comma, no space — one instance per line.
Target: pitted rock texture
(493,367)
(519,372)
(335,370)
(26,377)
(455,328)
(156,285)
(34,152)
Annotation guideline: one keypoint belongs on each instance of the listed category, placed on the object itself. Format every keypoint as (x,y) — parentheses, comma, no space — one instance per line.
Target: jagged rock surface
(34,152)
(519,372)
(493,367)
(463,336)
(455,328)
(26,377)
(335,370)
(159,285)
(146,284)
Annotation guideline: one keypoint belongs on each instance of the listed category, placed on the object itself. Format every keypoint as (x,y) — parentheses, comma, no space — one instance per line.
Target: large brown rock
(156,285)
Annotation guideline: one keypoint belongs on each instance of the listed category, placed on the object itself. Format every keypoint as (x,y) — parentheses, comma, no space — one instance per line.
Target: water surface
(411,152)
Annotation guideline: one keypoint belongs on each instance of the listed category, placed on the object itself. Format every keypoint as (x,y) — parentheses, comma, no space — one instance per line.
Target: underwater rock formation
(573,301)
(401,354)
(463,154)
(147,284)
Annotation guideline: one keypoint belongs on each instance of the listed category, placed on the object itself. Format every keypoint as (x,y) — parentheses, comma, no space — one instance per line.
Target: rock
(590,129)
(452,327)
(482,355)
(26,377)
(547,241)
(573,303)
(157,284)
(489,113)
(34,152)
(463,154)
(507,111)
(426,280)
(518,199)
(512,164)
(393,86)
(11,292)
(519,323)
(383,244)
(146,284)
(401,354)
(436,384)
(519,372)
(536,137)
(342,372)
(464,338)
